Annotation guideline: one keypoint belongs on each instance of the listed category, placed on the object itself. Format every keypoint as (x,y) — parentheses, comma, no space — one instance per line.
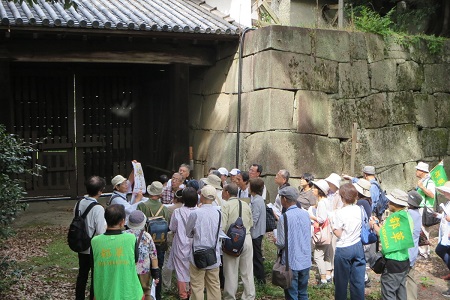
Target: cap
(369,170)
(155,189)
(398,197)
(322,185)
(334,179)
(223,171)
(234,172)
(117,180)
(209,192)
(213,180)
(423,167)
(137,220)
(363,187)
(414,198)
(289,192)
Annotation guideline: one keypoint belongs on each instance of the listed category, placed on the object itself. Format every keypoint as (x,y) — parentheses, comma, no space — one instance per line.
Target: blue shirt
(417,221)
(374,191)
(299,235)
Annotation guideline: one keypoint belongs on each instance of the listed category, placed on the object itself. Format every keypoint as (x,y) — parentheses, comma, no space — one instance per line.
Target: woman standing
(443,248)
(181,245)
(322,252)
(349,261)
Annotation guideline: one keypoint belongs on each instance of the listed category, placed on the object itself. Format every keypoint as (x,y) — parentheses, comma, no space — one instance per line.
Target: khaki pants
(232,266)
(322,258)
(201,278)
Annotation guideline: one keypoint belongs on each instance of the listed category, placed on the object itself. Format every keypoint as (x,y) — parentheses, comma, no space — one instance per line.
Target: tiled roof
(189,16)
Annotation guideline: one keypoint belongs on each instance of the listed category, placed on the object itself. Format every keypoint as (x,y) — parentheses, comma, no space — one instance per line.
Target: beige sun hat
(398,197)
(423,167)
(363,187)
(155,189)
(213,180)
(322,185)
(209,192)
(117,180)
(137,220)
(334,179)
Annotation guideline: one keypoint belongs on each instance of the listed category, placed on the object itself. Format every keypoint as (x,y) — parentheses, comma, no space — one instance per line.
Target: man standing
(242,264)
(95,222)
(427,189)
(122,187)
(281,179)
(299,249)
(255,171)
(202,225)
(115,258)
(223,176)
(375,189)
(185,171)
(171,188)
(242,182)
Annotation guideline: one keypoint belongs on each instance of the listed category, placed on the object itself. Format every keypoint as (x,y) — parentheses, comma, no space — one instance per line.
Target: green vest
(426,200)
(396,236)
(115,276)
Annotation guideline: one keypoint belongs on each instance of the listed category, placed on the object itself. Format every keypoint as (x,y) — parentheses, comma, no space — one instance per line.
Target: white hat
(223,171)
(117,180)
(423,167)
(155,189)
(363,187)
(445,188)
(399,197)
(213,180)
(209,192)
(234,172)
(322,185)
(137,220)
(334,179)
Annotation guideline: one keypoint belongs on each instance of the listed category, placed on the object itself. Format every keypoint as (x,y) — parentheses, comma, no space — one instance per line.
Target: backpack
(236,233)
(158,227)
(271,222)
(78,237)
(382,203)
(368,236)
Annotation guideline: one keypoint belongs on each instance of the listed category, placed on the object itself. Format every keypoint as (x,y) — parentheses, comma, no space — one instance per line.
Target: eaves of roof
(169,16)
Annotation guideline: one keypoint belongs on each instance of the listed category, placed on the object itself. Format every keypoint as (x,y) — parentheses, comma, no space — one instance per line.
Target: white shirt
(348,218)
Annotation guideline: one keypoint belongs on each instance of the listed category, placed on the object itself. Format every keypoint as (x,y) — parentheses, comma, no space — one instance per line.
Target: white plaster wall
(240,10)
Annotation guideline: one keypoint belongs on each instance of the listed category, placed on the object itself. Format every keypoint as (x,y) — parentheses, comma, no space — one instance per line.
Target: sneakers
(367,283)
(446,294)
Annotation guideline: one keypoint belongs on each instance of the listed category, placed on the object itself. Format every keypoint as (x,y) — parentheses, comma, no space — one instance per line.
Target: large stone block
(215,77)
(443,109)
(227,50)
(313,112)
(354,79)
(295,152)
(372,111)
(421,54)
(342,116)
(393,177)
(390,145)
(437,77)
(267,109)
(394,50)
(409,76)
(403,108)
(231,79)
(247,74)
(434,141)
(284,70)
(195,110)
(426,115)
(358,47)
(283,38)
(332,45)
(375,47)
(215,112)
(384,75)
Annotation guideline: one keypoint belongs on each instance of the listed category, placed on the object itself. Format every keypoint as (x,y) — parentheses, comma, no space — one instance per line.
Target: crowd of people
(319,224)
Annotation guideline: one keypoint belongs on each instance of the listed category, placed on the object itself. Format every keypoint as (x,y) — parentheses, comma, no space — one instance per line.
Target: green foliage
(368,20)
(10,274)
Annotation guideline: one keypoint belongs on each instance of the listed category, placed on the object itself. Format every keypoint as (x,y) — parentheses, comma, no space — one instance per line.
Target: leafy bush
(368,20)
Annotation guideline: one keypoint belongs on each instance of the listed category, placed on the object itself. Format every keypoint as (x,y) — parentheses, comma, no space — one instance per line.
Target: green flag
(438,174)
(396,233)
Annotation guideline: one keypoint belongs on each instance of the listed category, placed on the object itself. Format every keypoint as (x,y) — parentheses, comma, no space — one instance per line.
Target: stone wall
(303,89)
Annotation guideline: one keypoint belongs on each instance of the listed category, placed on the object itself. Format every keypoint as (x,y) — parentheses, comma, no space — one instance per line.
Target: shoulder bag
(282,274)
(204,258)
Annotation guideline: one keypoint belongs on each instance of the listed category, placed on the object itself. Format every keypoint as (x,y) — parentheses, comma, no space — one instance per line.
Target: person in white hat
(223,175)
(427,189)
(215,182)
(443,248)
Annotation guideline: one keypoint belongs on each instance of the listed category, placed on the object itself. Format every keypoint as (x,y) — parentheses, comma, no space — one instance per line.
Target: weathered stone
(437,78)
(434,141)
(228,49)
(284,38)
(375,47)
(215,112)
(390,145)
(372,111)
(332,45)
(420,53)
(313,112)
(231,82)
(354,79)
(296,152)
(384,75)
(393,177)
(443,109)
(425,110)
(247,75)
(215,77)
(342,116)
(394,50)
(267,110)
(358,47)
(195,110)
(232,120)
(410,174)
(403,108)
(285,70)
(409,76)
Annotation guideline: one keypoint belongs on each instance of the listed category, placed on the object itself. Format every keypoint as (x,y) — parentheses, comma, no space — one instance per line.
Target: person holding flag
(396,238)
(443,248)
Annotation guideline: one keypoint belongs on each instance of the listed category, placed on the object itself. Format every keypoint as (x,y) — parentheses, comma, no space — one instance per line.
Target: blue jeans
(349,267)
(444,253)
(299,286)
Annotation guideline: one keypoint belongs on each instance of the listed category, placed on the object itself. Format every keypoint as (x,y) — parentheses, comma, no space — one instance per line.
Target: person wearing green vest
(427,189)
(115,257)
(396,238)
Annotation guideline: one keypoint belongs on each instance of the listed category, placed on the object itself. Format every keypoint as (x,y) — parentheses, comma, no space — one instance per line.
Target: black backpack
(382,203)
(236,233)
(78,237)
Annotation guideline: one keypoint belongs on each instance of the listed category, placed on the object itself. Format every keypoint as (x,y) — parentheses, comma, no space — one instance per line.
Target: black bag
(206,257)
(282,274)
(378,263)
(428,219)
(236,233)
(271,222)
(78,237)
